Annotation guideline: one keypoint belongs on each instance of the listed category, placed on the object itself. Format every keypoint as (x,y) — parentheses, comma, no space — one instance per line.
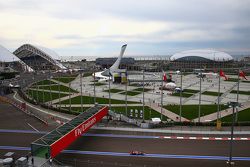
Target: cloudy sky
(149,27)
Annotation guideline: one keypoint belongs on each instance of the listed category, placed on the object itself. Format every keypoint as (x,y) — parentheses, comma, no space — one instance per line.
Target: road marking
(192,138)
(205,138)
(179,137)
(60,116)
(167,137)
(33,127)
(130,136)
(166,156)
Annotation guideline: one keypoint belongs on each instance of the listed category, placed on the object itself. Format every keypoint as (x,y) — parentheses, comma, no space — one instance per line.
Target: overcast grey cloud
(150,27)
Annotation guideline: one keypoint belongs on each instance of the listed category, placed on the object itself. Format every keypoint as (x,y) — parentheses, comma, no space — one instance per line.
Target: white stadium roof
(45,53)
(48,51)
(206,54)
(6,55)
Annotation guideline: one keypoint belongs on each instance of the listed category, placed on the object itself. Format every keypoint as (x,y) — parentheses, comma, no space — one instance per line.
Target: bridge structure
(51,144)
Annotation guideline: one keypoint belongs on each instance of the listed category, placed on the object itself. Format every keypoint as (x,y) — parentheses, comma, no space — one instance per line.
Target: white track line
(33,127)
(60,116)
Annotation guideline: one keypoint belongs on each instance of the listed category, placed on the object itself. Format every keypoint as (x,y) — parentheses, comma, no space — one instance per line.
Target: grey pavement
(166,112)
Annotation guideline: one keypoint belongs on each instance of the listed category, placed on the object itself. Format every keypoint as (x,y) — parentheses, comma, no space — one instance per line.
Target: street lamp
(234,105)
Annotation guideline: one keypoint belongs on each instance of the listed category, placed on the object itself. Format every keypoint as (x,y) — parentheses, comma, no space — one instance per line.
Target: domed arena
(192,59)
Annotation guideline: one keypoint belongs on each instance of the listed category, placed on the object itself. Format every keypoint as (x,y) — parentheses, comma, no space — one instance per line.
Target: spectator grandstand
(39,58)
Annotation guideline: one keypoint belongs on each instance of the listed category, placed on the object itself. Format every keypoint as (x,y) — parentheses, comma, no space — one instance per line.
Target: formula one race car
(137,153)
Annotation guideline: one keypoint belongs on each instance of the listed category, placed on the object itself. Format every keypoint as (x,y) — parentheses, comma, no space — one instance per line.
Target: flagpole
(109,92)
(237,97)
(126,95)
(143,97)
(162,93)
(43,92)
(181,98)
(36,91)
(218,99)
(94,89)
(59,87)
(81,91)
(69,97)
(50,88)
(199,116)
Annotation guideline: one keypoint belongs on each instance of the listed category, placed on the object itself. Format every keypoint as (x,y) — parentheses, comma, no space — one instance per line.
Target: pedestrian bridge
(51,144)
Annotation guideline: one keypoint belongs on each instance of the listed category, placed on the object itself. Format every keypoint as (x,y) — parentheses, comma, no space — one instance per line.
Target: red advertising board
(70,137)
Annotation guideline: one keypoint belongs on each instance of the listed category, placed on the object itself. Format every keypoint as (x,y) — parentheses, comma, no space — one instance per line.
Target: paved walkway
(223,113)
(47,90)
(64,98)
(43,111)
(91,105)
(165,112)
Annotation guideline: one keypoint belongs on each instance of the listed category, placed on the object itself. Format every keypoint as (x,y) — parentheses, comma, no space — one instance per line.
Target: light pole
(234,105)
(143,98)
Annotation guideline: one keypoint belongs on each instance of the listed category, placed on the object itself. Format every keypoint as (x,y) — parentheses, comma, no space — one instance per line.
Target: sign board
(75,133)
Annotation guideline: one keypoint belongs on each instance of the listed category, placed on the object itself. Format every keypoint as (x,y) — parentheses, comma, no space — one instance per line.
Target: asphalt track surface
(114,151)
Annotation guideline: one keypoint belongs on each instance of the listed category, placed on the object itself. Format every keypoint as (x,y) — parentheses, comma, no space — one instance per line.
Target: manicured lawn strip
(154,114)
(135,85)
(211,93)
(131,93)
(141,89)
(44,82)
(183,94)
(46,95)
(65,79)
(246,81)
(190,91)
(232,80)
(191,111)
(87,74)
(113,90)
(243,116)
(241,92)
(76,109)
(98,84)
(56,88)
(90,100)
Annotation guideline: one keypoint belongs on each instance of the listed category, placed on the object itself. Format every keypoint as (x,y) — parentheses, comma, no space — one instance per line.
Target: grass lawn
(131,93)
(65,79)
(246,81)
(114,90)
(211,93)
(87,74)
(141,89)
(243,116)
(135,85)
(56,88)
(190,91)
(147,110)
(44,82)
(183,94)
(232,80)
(100,100)
(191,111)
(241,92)
(98,84)
(76,109)
(46,95)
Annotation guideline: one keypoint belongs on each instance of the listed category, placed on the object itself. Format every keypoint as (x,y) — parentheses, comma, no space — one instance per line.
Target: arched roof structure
(201,55)
(28,50)
(6,57)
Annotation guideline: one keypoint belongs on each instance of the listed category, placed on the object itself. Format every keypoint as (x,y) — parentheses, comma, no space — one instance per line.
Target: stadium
(39,58)
(10,63)
(191,59)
